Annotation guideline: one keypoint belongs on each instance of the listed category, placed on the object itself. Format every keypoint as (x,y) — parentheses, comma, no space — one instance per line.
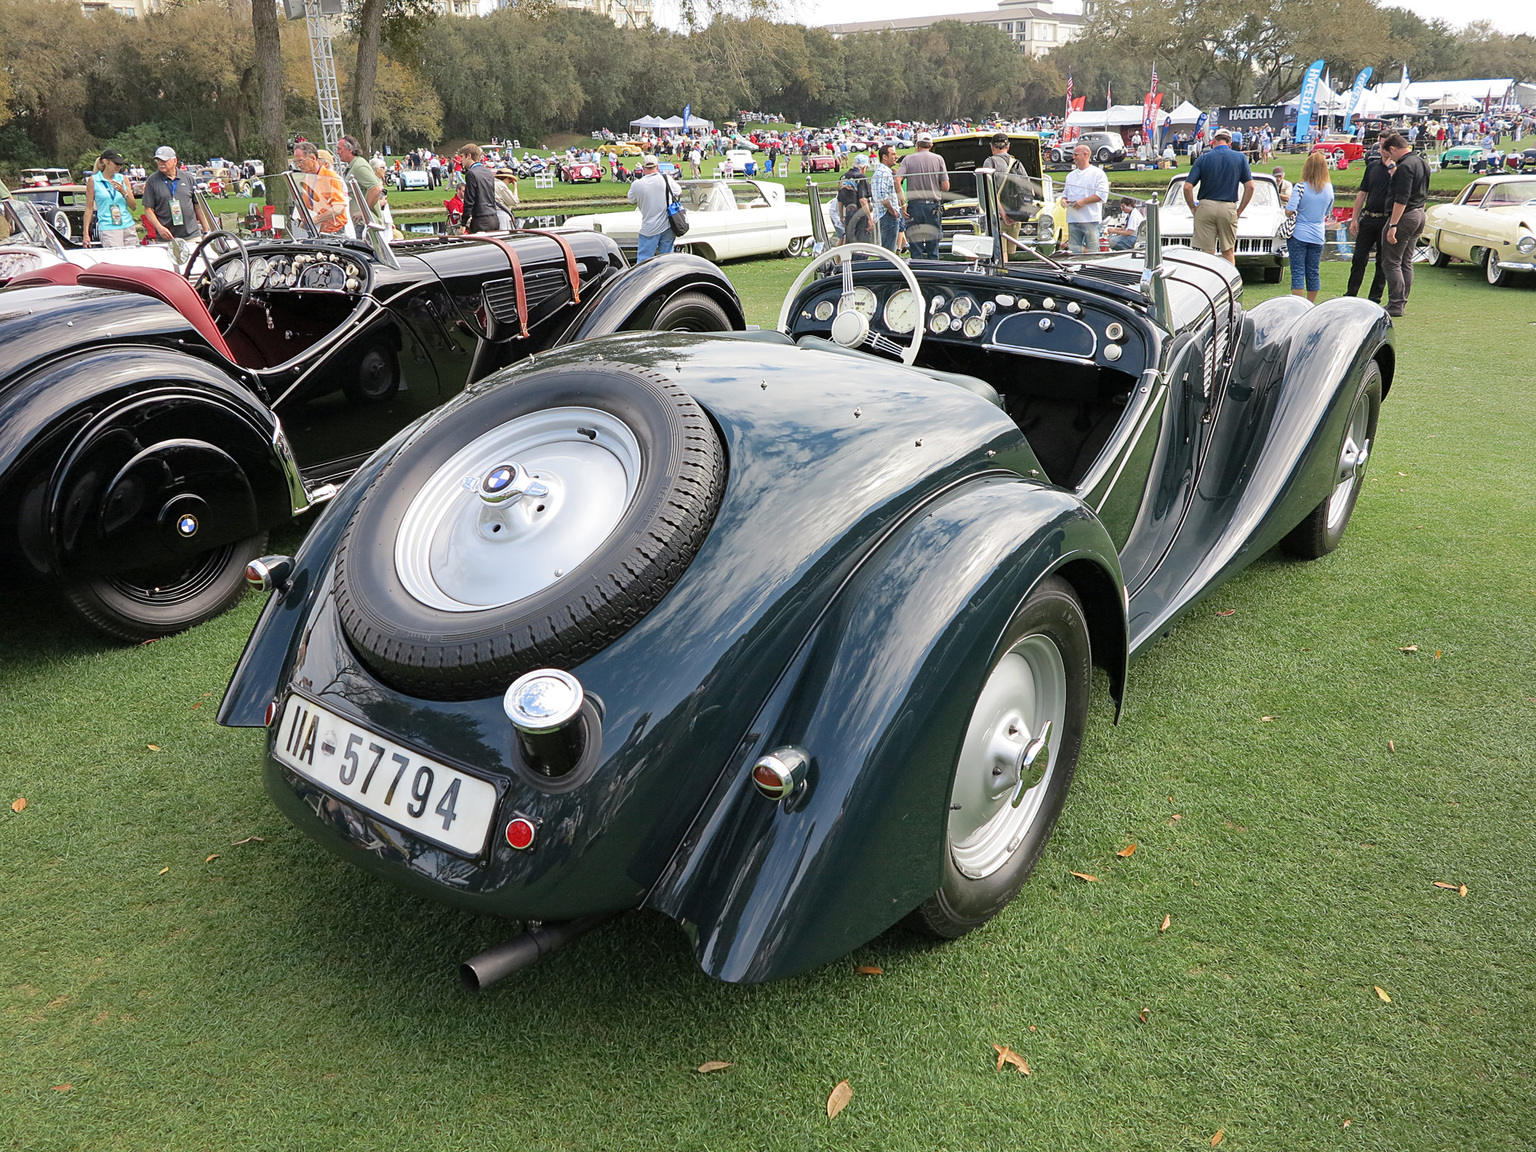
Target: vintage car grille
(542,285)
(1260,246)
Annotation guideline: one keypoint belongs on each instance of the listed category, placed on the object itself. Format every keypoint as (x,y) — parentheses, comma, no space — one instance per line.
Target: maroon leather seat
(166,286)
(55,274)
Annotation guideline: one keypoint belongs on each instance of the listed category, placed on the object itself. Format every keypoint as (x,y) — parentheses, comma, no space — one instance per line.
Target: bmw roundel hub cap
(187,524)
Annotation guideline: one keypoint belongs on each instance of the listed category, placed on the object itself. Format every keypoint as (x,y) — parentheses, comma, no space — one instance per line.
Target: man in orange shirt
(324,194)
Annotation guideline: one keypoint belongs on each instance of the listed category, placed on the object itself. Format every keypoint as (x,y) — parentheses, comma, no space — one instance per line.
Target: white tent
(647,122)
(1374,103)
(1185,113)
(1465,91)
(1116,116)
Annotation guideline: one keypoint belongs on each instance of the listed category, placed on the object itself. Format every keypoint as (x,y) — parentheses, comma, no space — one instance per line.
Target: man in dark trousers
(926,179)
(479,191)
(1408,191)
(1367,225)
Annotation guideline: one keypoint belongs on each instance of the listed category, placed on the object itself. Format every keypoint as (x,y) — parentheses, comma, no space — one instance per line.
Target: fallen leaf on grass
(153,747)
(869,970)
(1409,648)
(1381,994)
(247,840)
(1462,891)
(1265,719)
(18,804)
(1448,885)
(1221,1134)
(1144,1013)
(1006,1055)
(1126,851)
(163,871)
(212,856)
(1391,747)
(1085,876)
(714,1065)
(1167,920)
(196,706)
(1227,612)
(1402,473)
(62,1087)
(1175,818)
(839,1098)
(1437,653)
(1346,1123)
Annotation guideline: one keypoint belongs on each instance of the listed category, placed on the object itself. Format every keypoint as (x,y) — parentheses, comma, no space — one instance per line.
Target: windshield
(320,203)
(1511,192)
(20,223)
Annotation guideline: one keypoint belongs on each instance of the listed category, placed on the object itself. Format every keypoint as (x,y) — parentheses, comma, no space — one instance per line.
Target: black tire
(1437,258)
(1272,275)
(1323,528)
(691,312)
(376,377)
(964,903)
(1104,155)
(454,655)
(139,606)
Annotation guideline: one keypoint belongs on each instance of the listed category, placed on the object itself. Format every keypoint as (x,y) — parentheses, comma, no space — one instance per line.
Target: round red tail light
(271,714)
(520,833)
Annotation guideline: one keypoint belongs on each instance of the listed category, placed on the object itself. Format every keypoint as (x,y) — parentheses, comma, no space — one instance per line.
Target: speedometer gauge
(901,311)
(258,272)
(864,302)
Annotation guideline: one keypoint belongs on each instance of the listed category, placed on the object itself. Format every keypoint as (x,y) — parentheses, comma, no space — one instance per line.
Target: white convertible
(27,244)
(1257,246)
(1492,223)
(726,219)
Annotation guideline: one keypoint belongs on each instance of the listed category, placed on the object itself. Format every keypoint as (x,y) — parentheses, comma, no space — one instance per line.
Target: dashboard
(1031,322)
(301,271)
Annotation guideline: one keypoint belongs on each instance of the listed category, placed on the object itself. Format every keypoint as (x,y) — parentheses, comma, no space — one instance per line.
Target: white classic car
(726,219)
(28,244)
(1257,227)
(1492,223)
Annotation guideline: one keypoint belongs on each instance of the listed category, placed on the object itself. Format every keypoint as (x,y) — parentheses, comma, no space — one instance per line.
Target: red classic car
(1342,148)
(580,171)
(824,162)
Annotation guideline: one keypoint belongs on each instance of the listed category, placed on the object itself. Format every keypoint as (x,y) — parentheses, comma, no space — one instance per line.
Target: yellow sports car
(1492,223)
(625,149)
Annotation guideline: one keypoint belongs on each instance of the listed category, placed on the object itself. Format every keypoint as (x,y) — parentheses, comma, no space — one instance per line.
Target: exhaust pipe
(526,948)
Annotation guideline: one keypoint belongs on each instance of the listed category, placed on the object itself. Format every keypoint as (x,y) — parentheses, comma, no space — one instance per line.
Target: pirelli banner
(1255,116)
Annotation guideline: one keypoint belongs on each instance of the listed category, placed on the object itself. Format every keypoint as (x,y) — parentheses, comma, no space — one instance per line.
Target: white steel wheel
(1005,766)
(517,508)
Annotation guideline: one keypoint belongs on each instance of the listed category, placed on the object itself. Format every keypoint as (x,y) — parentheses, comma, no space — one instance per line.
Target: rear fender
(879,694)
(631,300)
(1274,447)
(126,456)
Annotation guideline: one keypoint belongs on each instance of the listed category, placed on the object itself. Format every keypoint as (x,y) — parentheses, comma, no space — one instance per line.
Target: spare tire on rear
(529,526)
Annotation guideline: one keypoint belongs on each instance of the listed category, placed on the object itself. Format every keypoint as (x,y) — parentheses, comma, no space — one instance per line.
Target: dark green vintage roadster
(789,635)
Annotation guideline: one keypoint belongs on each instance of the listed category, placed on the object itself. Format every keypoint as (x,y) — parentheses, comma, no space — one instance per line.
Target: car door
(1459,230)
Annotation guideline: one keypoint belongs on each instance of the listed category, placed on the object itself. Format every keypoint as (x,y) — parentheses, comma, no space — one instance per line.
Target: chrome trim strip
(1064,357)
(1130,447)
(298,496)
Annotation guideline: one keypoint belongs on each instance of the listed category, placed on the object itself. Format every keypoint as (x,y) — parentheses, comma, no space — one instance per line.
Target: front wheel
(797,246)
(139,606)
(1104,155)
(1493,269)
(1016,761)
(1323,529)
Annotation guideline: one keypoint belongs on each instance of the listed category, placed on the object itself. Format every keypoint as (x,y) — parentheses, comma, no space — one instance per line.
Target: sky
(1509,16)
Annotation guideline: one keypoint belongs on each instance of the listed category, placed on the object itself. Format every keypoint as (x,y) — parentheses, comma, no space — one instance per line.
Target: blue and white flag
(1354,92)
(1402,85)
(688,111)
(1308,103)
(1200,124)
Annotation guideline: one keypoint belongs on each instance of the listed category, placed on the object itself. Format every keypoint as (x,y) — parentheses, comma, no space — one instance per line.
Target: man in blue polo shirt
(1220,173)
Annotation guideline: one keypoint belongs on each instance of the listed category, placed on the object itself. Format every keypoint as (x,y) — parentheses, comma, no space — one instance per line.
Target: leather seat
(167,287)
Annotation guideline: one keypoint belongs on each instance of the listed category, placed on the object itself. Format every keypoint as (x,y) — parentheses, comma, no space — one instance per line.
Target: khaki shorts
(1215,226)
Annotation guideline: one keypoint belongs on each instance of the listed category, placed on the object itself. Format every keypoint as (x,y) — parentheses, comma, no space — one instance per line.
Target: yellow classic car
(621,148)
(1492,223)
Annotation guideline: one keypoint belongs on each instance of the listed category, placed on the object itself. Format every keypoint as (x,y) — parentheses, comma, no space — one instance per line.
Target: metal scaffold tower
(327,92)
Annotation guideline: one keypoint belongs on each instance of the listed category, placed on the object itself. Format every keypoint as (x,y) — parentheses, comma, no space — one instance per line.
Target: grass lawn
(1294,781)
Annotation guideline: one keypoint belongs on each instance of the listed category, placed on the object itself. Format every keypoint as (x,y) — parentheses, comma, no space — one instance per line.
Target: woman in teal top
(109,203)
(1310,206)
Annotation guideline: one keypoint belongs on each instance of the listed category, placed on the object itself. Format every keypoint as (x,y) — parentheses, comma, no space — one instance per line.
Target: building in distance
(1033,25)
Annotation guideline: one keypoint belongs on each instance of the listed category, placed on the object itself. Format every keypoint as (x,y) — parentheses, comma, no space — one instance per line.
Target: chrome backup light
(545,708)
(779,773)
(268,572)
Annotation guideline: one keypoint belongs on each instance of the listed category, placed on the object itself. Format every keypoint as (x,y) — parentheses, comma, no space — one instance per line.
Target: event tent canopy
(1466,91)
(694,122)
(1185,113)
(1116,116)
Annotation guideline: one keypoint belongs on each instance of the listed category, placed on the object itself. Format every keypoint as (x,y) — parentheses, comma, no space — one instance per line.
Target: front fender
(879,694)
(631,299)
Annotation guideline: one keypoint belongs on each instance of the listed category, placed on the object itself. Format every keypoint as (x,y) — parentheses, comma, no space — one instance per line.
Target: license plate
(426,798)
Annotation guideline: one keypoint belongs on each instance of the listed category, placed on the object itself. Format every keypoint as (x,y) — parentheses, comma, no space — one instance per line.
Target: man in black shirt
(1369,221)
(1406,195)
(170,211)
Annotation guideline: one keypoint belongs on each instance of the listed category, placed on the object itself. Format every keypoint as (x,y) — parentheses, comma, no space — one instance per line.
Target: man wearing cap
(853,197)
(926,179)
(1221,173)
(652,193)
(359,169)
(1013,184)
(170,212)
(109,203)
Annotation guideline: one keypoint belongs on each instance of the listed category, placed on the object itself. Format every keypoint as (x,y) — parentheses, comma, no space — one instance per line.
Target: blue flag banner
(1355,89)
(1200,124)
(688,111)
(1308,103)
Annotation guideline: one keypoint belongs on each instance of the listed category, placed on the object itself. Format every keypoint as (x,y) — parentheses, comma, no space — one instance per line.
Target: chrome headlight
(1527,244)
(1047,228)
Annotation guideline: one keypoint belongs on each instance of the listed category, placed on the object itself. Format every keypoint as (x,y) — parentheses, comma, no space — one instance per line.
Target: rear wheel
(138,606)
(797,246)
(691,312)
(1433,256)
(61,225)
(1103,156)
(1016,762)
(1323,529)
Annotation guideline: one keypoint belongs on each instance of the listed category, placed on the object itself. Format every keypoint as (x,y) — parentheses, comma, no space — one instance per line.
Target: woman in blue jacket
(1311,207)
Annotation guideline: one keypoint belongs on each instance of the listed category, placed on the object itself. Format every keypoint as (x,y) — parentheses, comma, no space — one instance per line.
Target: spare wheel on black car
(528,526)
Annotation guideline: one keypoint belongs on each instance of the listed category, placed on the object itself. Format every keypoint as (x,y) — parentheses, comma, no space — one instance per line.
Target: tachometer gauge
(864,302)
(259,269)
(825,309)
(974,326)
(938,323)
(901,311)
(960,306)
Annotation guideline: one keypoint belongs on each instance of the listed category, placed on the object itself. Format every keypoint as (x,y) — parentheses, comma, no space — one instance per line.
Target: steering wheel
(849,327)
(215,290)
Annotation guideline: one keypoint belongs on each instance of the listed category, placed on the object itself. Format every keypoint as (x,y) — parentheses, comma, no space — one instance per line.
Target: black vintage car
(62,205)
(154,426)
(789,635)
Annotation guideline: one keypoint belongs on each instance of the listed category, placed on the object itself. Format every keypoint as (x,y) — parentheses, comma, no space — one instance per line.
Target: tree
(375,22)
(269,85)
